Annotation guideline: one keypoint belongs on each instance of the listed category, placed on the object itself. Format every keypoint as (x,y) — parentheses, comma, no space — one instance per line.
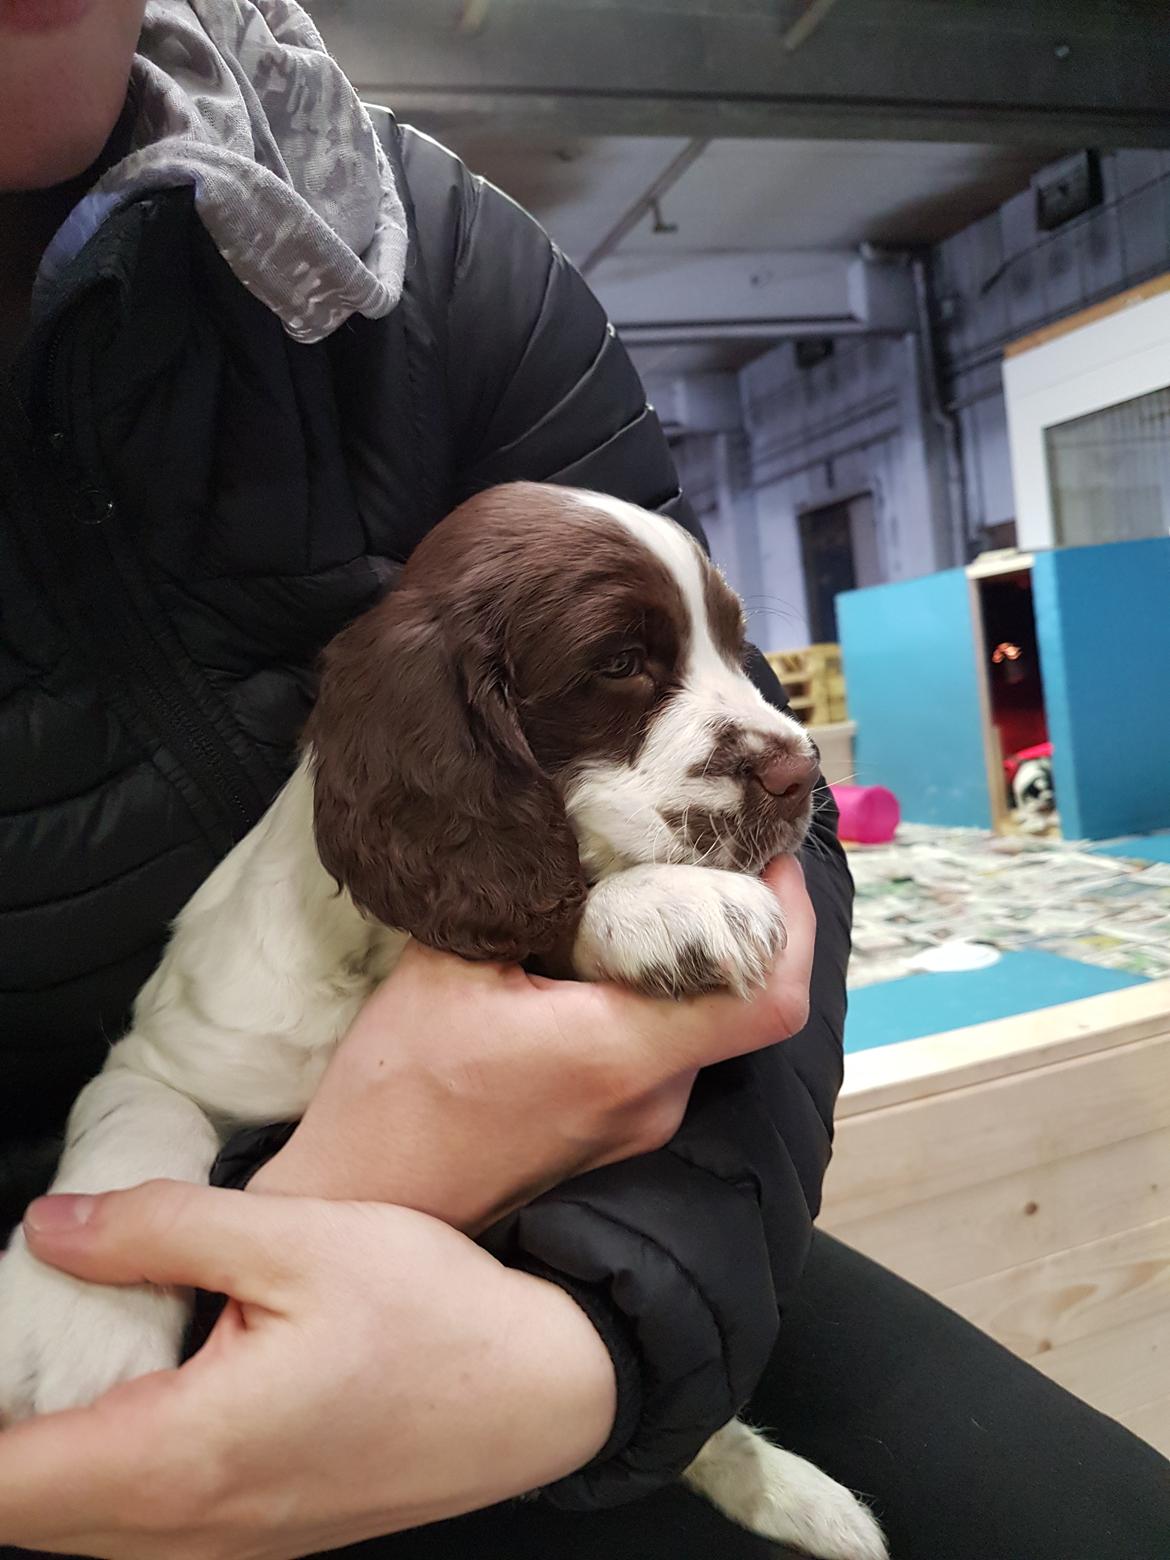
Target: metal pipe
(645,203)
(634,334)
(807,24)
(940,416)
(474,16)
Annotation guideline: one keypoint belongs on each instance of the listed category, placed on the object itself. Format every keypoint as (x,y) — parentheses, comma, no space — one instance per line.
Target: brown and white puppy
(553,698)
(541,744)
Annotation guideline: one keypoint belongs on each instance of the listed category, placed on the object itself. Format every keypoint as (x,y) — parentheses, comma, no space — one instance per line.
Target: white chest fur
(267,967)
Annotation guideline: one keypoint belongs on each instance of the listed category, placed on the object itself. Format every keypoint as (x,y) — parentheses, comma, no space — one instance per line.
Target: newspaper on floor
(934,886)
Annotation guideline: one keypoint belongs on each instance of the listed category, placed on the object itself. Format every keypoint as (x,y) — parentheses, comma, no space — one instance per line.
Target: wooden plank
(1090,1288)
(1099,311)
(992,752)
(1118,1371)
(892,1074)
(927,1147)
(1152,1423)
(1017,1218)
(1009,560)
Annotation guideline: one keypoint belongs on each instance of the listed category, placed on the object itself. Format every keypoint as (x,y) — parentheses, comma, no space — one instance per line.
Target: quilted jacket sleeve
(684,1258)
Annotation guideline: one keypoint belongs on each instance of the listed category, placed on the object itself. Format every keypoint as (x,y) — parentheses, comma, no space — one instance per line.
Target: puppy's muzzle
(789,778)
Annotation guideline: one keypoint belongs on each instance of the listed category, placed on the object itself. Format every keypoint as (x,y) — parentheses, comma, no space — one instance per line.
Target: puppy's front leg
(782,1497)
(63,1342)
(676,931)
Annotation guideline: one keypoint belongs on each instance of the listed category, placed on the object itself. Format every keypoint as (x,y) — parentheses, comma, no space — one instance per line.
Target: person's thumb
(171,1232)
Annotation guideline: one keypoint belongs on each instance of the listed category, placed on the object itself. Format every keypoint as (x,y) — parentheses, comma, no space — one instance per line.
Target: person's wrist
(312,1163)
(570,1371)
(306,1167)
(617,1333)
(284,1173)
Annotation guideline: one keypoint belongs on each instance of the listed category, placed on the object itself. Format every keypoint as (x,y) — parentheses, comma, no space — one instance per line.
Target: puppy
(542,738)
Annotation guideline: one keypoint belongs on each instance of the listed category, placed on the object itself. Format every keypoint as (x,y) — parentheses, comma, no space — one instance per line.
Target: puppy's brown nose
(789,777)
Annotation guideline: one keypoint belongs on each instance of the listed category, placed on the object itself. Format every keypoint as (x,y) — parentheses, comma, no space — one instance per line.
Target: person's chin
(44,162)
(43,149)
(62,86)
(41,16)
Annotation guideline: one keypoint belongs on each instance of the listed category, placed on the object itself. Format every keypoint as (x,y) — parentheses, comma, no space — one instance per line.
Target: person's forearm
(311,1164)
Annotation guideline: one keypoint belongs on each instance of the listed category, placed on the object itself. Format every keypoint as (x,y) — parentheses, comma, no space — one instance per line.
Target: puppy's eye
(630,663)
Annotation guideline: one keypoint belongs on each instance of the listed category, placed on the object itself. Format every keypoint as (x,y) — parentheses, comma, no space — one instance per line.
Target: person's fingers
(784,875)
(171,1232)
(792,972)
(700,1031)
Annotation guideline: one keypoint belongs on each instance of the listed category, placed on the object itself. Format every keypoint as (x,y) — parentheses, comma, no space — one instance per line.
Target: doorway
(838,548)
(1022,750)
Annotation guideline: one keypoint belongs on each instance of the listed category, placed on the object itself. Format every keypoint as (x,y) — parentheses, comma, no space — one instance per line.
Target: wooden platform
(1020,1171)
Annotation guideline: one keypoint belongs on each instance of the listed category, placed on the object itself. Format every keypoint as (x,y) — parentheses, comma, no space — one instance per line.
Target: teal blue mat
(1141,847)
(1021,982)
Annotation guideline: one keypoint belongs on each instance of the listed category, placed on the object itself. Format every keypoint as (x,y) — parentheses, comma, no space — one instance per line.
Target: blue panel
(910,680)
(918,1005)
(1103,621)
(1148,847)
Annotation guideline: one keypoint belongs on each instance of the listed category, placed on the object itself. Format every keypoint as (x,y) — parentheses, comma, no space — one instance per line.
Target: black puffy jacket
(194,506)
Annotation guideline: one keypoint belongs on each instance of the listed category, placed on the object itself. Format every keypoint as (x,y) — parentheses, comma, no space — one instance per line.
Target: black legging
(966,1452)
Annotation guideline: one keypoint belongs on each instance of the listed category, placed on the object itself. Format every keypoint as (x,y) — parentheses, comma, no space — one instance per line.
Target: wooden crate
(814,680)
(1020,1171)
(808,661)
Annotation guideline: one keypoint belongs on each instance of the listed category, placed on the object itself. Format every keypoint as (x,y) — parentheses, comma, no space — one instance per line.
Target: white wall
(1002,278)
(777,610)
(1110,360)
(852,424)
(857,422)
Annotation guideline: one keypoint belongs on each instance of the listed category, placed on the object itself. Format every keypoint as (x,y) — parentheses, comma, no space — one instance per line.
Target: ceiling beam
(1042,72)
(696,403)
(706,297)
(646,203)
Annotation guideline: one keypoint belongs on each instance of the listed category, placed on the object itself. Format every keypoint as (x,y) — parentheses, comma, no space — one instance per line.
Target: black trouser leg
(967,1452)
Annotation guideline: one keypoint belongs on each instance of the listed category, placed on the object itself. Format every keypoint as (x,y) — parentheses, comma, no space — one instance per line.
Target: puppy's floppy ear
(428,804)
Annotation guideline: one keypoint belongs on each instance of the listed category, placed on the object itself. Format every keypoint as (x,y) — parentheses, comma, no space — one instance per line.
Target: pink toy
(869,813)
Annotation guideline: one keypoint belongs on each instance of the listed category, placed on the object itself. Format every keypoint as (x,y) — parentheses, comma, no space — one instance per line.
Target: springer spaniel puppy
(541,740)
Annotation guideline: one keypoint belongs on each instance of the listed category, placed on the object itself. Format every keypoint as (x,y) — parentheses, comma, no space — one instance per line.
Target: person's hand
(464,1089)
(374,1371)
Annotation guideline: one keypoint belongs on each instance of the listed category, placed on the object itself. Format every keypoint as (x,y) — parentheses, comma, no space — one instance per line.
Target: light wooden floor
(1021,1171)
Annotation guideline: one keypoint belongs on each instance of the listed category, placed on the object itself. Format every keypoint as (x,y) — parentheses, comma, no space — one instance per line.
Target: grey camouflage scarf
(240,99)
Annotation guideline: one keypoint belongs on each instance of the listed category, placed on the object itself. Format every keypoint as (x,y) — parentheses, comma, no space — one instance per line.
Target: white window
(1088,408)
(1109,472)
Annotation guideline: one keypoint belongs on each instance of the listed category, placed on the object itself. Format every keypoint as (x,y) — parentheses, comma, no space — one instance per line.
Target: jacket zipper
(143,666)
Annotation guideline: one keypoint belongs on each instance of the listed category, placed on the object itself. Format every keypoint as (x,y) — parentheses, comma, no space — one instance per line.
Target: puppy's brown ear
(428,804)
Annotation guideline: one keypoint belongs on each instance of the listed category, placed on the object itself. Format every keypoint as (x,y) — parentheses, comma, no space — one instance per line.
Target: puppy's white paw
(676,931)
(784,1498)
(64,1342)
